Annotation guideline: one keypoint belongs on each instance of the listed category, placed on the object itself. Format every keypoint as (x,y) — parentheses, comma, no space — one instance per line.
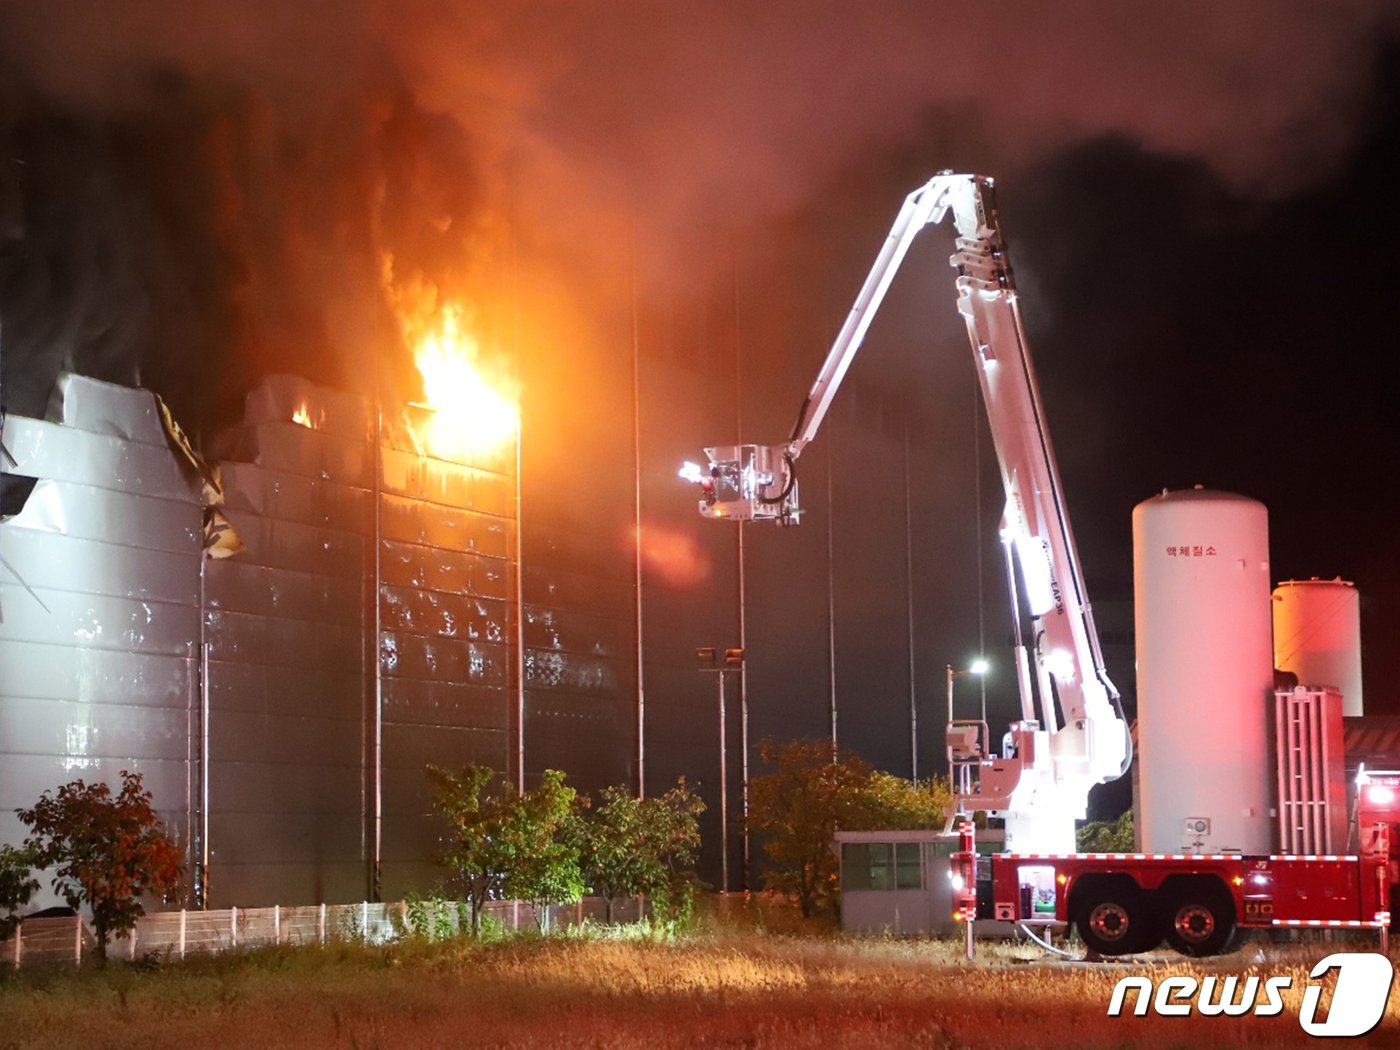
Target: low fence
(176,934)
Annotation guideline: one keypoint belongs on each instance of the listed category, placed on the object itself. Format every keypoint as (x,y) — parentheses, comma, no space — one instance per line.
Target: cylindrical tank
(1317,635)
(1204,672)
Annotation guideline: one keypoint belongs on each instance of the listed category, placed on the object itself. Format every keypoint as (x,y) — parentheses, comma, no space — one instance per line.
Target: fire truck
(1072,733)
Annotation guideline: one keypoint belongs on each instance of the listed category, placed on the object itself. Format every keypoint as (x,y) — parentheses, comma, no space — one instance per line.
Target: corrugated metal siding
(108,677)
(102,675)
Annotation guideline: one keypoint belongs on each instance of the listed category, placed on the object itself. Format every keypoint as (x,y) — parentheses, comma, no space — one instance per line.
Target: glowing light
(691,472)
(302,417)
(470,416)
(1060,664)
(1379,795)
(979,666)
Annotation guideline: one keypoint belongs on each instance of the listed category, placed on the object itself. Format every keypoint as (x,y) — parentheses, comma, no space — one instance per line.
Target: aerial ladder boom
(1071,734)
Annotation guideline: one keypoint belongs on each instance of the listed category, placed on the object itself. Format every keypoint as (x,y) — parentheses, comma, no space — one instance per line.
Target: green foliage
(1106,836)
(431,918)
(506,845)
(545,864)
(629,846)
(814,793)
(799,807)
(17,885)
(106,851)
(895,803)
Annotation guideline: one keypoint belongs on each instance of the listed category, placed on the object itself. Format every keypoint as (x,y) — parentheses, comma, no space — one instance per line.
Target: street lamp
(707,657)
(967,738)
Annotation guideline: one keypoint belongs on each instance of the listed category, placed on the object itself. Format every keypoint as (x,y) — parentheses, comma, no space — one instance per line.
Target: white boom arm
(1042,785)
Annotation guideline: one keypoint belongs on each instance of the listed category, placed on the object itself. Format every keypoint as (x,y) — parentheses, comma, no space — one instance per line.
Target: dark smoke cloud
(207,191)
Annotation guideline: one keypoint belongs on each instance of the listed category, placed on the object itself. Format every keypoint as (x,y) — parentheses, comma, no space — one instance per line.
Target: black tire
(1113,918)
(1200,918)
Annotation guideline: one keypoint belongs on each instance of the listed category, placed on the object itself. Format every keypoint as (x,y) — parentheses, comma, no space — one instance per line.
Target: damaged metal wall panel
(446,543)
(286,624)
(97,665)
(579,654)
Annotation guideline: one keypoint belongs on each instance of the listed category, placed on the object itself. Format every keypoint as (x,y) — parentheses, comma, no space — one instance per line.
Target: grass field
(725,987)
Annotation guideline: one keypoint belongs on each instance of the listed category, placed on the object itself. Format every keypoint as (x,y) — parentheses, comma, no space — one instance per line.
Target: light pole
(978,667)
(707,657)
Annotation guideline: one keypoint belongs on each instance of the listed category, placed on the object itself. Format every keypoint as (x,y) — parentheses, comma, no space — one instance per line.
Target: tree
(812,795)
(630,846)
(17,885)
(903,805)
(106,851)
(799,807)
(544,865)
(503,844)
(1107,836)
(477,851)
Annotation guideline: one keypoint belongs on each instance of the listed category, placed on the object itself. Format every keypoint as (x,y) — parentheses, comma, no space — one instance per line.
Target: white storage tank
(1317,636)
(1204,672)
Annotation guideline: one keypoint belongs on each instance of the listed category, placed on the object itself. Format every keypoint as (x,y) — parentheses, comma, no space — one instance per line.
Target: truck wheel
(1113,918)
(1200,919)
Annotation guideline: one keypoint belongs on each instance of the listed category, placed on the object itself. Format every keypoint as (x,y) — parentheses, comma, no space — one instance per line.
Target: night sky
(1196,198)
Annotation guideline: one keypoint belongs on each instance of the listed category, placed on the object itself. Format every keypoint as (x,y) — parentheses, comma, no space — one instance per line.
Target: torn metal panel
(97,407)
(42,449)
(124,519)
(341,416)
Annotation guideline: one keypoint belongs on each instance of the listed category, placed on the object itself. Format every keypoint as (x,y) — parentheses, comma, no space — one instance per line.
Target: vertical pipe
(723,793)
(637,532)
(1319,827)
(977,532)
(743,598)
(377,716)
(830,590)
(909,615)
(202,886)
(519,508)
(1281,772)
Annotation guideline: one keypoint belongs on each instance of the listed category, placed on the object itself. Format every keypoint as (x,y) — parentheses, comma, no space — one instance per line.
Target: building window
(881,866)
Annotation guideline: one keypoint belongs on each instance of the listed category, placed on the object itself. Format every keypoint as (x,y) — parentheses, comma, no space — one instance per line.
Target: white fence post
(233,925)
(131,944)
(78,940)
(364,921)
(182,933)
(321,925)
(19,940)
(277,924)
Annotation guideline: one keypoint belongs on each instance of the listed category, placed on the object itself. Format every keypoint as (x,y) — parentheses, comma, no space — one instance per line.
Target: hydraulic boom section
(1071,734)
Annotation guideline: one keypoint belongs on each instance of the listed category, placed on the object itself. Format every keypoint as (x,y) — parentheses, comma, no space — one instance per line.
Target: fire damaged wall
(281,713)
(99,593)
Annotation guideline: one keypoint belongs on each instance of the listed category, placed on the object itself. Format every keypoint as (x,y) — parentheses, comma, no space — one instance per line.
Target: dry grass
(727,987)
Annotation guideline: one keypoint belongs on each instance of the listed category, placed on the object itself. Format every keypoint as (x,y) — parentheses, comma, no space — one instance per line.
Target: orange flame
(302,417)
(470,416)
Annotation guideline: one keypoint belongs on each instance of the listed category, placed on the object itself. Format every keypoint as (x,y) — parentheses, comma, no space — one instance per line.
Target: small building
(900,882)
